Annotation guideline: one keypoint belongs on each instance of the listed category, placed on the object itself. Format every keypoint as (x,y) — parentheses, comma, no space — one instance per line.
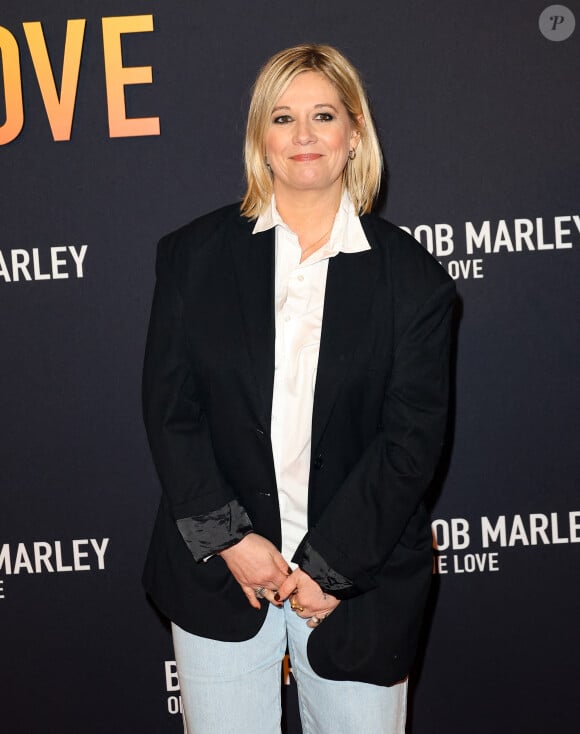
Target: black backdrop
(478,112)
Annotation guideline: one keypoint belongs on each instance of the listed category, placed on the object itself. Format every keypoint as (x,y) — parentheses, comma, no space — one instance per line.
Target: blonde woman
(295,397)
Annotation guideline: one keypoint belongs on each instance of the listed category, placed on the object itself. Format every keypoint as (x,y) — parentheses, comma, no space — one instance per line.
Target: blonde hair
(362,175)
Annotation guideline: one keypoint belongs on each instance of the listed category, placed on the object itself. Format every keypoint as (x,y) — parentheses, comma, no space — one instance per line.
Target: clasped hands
(259,567)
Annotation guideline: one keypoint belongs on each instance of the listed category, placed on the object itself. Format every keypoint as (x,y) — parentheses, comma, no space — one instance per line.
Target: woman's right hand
(256,563)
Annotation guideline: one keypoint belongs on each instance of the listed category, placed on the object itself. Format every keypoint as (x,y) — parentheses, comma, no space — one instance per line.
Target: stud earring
(351,154)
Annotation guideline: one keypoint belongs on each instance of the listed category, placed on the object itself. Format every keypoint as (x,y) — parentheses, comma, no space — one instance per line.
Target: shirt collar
(347,233)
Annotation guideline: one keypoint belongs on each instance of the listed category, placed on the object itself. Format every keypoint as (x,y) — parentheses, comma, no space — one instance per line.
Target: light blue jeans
(234,687)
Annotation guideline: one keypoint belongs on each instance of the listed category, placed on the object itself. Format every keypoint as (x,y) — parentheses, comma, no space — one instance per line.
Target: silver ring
(315,620)
(260,592)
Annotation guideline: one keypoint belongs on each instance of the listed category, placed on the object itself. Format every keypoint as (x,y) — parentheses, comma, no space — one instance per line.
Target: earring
(351,154)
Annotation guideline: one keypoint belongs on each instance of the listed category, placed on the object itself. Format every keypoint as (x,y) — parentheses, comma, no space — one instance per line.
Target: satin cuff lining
(206,535)
(326,577)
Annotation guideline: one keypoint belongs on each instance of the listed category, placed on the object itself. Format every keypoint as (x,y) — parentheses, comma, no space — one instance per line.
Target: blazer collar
(350,287)
(253,258)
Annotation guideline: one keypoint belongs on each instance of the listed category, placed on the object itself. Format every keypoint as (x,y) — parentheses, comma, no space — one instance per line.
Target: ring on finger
(260,592)
(295,607)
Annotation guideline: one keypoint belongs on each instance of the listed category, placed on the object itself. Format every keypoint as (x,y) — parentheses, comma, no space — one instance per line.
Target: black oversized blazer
(379,418)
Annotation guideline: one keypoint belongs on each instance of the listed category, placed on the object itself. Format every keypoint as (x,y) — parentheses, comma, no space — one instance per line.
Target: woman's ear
(356,132)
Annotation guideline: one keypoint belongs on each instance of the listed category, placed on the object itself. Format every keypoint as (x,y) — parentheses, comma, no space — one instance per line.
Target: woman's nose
(303,132)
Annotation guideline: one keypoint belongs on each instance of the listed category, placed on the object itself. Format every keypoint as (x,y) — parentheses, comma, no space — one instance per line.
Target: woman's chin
(310,183)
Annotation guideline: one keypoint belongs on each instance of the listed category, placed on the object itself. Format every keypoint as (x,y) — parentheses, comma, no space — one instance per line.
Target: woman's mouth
(305,157)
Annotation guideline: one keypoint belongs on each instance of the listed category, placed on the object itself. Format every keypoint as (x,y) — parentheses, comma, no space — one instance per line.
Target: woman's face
(309,137)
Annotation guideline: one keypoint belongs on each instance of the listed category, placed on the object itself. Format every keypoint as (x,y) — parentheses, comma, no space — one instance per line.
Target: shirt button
(301,278)
(287,318)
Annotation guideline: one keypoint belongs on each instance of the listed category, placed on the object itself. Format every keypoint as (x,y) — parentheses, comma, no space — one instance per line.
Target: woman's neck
(310,215)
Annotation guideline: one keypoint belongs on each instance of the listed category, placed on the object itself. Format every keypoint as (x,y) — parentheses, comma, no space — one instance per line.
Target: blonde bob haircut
(362,175)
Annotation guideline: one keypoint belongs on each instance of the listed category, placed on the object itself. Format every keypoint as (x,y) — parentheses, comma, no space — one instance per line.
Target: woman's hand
(256,564)
(307,598)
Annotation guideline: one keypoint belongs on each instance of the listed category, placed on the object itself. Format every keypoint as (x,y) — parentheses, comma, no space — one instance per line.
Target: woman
(295,397)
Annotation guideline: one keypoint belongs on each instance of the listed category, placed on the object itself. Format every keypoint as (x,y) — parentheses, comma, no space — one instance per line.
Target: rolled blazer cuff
(346,586)
(206,535)
(329,580)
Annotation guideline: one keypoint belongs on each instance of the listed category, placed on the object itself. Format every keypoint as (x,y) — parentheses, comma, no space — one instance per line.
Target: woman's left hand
(307,598)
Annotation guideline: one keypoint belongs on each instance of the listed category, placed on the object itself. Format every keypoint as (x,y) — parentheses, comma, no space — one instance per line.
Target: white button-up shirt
(299,303)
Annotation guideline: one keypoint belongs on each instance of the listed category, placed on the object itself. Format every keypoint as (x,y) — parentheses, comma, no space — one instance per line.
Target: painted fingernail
(289,571)
(277,596)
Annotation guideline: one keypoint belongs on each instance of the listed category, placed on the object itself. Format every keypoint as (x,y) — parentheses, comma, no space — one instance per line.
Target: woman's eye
(324,116)
(282,119)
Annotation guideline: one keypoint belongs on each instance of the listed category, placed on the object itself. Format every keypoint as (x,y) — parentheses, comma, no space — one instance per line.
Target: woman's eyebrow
(316,106)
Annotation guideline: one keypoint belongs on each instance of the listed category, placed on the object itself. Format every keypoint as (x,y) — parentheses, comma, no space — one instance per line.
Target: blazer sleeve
(207,512)
(369,512)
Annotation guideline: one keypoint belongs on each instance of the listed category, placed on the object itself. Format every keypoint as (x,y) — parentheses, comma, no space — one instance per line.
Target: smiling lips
(305,157)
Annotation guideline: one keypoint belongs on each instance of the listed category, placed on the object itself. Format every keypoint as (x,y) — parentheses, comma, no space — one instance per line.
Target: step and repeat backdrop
(123,119)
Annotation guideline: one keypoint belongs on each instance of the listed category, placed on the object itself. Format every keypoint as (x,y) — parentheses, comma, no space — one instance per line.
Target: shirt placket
(288,256)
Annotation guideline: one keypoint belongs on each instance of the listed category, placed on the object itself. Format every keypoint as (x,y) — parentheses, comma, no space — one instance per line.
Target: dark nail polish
(277,596)
(289,571)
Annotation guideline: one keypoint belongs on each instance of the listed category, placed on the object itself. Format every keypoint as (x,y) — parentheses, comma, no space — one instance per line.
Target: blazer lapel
(253,257)
(350,287)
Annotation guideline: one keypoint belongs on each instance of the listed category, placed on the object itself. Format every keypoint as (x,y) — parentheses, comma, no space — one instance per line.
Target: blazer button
(318,462)
(263,493)
(260,432)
